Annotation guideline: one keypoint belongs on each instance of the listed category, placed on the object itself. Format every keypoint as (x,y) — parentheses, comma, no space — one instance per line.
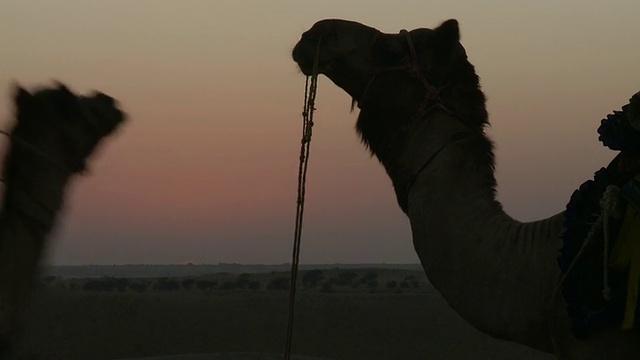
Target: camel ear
(61,87)
(447,36)
(65,98)
(449,31)
(21,96)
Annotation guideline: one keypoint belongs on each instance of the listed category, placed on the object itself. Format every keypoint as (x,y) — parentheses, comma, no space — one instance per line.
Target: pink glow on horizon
(206,167)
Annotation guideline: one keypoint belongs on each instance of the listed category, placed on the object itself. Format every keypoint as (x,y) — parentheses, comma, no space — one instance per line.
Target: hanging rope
(8,135)
(311,85)
(612,207)
(610,202)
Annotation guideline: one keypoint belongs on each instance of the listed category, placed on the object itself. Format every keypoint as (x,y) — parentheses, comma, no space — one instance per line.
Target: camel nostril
(296,53)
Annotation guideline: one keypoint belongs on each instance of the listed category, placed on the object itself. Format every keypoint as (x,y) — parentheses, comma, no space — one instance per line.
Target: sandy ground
(75,324)
(228,356)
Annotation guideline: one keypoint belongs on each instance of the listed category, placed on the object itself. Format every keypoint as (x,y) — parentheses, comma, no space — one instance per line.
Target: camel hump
(620,131)
(597,299)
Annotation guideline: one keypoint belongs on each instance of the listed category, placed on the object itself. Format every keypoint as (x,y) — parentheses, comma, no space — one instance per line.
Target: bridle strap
(376,71)
(431,102)
(432,95)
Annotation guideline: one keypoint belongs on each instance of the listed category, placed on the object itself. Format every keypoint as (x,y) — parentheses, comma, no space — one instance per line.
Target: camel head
(54,133)
(391,75)
(56,124)
(345,53)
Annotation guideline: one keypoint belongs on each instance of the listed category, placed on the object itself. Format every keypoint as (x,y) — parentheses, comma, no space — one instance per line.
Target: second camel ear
(21,96)
(447,37)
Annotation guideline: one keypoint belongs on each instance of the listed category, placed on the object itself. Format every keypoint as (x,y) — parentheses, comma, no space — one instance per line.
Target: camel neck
(496,272)
(32,199)
(413,149)
(34,186)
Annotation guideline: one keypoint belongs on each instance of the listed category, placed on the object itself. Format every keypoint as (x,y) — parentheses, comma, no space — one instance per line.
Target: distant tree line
(243,281)
(319,280)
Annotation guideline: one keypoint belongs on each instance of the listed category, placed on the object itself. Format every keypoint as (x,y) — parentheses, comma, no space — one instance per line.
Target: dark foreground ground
(363,314)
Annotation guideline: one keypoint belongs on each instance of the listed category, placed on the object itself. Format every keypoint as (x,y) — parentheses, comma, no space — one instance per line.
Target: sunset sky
(205,170)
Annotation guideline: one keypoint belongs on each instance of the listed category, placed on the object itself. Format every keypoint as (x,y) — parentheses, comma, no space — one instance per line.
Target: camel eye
(330,36)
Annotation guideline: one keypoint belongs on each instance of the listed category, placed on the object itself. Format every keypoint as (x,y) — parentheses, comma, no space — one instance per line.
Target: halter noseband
(432,94)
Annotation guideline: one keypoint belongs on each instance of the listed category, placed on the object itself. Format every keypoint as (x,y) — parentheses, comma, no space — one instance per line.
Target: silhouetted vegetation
(281,283)
(107,284)
(49,279)
(370,280)
(409,282)
(368,277)
(166,284)
(138,286)
(345,278)
(206,284)
(327,287)
(311,278)
(121,284)
(325,281)
(97,285)
(187,284)
(229,285)
(243,281)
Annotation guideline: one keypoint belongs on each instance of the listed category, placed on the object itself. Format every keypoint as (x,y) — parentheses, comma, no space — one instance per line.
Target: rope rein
(34,149)
(311,85)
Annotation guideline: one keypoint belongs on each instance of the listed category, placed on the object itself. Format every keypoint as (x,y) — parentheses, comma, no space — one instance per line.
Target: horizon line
(234,264)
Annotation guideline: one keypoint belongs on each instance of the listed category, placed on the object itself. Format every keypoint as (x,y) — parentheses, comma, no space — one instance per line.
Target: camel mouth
(304,55)
(306,65)
(103,113)
(306,69)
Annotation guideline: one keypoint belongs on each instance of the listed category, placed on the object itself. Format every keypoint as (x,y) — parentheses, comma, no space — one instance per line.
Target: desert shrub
(281,283)
(165,284)
(206,284)
(120,284)
(98,285)
(345,278)
(311,278)
(228,285)
(369,277)
(370,280)
(327,287)
(253,285)
(392,284)
(49,279)
(187,284)
(138,286)
(409,282)
(372,285)
(243,280)
(106,284)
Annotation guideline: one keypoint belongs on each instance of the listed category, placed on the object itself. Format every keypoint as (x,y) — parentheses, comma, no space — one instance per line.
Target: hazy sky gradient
(206,168)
